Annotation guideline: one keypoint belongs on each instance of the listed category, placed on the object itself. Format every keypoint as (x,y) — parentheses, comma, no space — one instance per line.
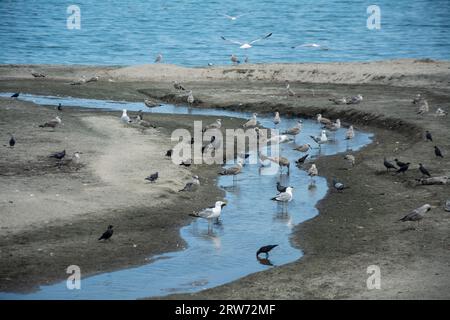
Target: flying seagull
(266,249)
(191,186)
(389,165)
(310,45)
(438,152)
(233,17)
(417,214)
(153,177)
(247,45)
(107,234)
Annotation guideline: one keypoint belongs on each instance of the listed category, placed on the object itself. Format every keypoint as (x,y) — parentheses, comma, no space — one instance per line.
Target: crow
(12,141)
(399,163)
(107,234)
(59,107)
(153,177)
(302,159)
(266,249)
(58,155)
(438,152)
(424,171)
(404,168)
(15,95)
(389,165)
(428,136)
(169,153)
(281,188)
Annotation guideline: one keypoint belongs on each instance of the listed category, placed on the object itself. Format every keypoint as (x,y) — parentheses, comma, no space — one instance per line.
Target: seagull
(190,98)
(159,58)
(303,148)
(233,17)
(211,212)
(178,86)
(403,169)
(234,59)
(232,171)
(417,214)
(58,155)
(76,157)
(322,139)
(38,75)
(351,159)
(428,136)
(342,100)
(12,141)
(312,172)
(310,45)
(438,152)
(149,103)
(289,90)
(334,126)
(440,113)
(281,161)
(323,120)
(423,108)
(252,122)
(93,79)
(447,206)
(191,186)
(125,118)
(80,81)
(107,234)
(186,163)
(350,133)
(355,100)
(285,196)
(279,139)
(417,98)
(266,249)
(15,95)
(294,130)
(277,119)
(389,165)
(215,125)
(211,144)
(153,177)
(52,123)
(247,45)
(302,159)
(281,188)
(339,186)
(424,170)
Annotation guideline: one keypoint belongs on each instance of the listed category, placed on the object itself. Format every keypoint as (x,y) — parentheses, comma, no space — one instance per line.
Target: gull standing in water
(149,103)
(312,172)
(282,162)
(125,118)
(334,126)
(211,213)
(323,120)
(246,45)
(294,130)
(277,119)
(322,139)
(350,133)
(251,123)
(303,148)
(284,197)
(190,98)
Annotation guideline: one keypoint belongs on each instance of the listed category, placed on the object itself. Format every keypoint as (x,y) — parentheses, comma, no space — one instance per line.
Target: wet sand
(355,228)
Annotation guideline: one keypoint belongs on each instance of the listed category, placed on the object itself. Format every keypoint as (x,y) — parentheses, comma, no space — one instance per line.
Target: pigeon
(191,186)
(438,152)
(266,249)
(281,188)
(107,234)
(15,95)
(424,170)
(52,123)
(153,177)
(389,165)
(339,185)
(58,155)
(447,206)
(12,141)
(416,214)
(428,136)
(399,163)
(355,100)
(404,168)
(302,159)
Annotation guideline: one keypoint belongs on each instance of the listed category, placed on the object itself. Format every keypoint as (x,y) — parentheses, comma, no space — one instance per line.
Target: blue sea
(188,32)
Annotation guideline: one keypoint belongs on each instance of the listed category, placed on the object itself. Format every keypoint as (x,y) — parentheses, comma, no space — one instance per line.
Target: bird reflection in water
(265,261)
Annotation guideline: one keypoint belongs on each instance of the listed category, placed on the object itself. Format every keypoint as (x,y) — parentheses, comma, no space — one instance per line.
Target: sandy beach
(40,233)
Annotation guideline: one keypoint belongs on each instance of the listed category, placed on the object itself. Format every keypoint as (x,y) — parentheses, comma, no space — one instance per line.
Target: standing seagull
(389,165)
(342,100)
(312,172)
(247,45)
(234,59)
(294,130)
(350,133)
(428,136)
(417,214)
(190,98)
(289,90)
(251,123)
(423,108)
(438,152)
(424,170)
(107,234)
(210,213)
(284,197)
(125,118)
(159,58)
(322,139)
(153,177)
(52,123)
(277,119)
(178,86)
(266,249)
(12,141)
(191,186)
(323,120)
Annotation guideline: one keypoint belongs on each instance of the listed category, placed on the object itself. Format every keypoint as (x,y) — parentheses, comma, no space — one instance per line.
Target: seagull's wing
(283,196)
(205,213)
(241,15)
(226,16)
(262,38)
(232,41)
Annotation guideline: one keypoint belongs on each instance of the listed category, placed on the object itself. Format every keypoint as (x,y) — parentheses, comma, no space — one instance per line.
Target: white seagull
(125,118)
(233,17)
(159,58)
(277,119)
(284,197)
(350,133)
(247,45)
(211,212)
(322,139)
(252,122)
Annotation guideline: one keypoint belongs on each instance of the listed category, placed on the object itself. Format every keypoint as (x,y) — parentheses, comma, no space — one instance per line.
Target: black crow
(153,177)
(12,141)
(59,107)
(404,168)
(389,165)
(438,152)
(107,234)
(399,163)
(186,163)
(58,155)
(302,159)
(15,95)
(428,135)
(281,188)
(169,153)
(424,171)
(266,249)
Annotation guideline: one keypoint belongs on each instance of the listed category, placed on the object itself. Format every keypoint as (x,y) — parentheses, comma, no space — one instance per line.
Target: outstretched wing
(232,41)
(262,38)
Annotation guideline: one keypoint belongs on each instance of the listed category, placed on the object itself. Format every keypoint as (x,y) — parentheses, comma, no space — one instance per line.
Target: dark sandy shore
(355,229)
